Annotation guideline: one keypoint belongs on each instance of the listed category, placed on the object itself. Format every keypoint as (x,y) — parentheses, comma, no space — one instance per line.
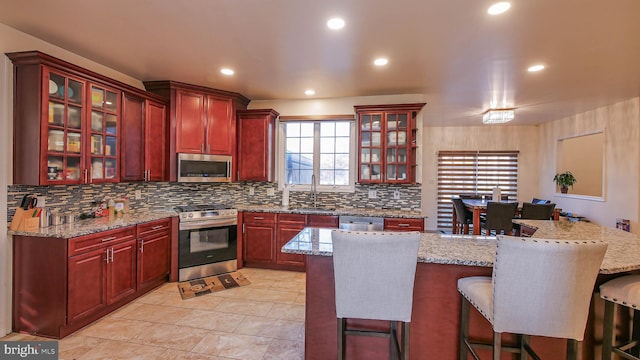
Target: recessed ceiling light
(227,71)
(335,23)
(498,8)
(381,61)
(535,68)
(309,92)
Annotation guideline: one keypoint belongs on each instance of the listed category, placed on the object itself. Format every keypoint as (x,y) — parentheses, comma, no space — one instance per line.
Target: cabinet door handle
(111,254)
(157,227)
(258,218)
(106,258)
(86,176)
(144,174)
(404,225)
(202,148)
(149,175)
(141,245)
(109,238)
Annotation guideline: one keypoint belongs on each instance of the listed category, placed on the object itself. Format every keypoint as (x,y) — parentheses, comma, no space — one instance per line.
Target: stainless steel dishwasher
(361,223)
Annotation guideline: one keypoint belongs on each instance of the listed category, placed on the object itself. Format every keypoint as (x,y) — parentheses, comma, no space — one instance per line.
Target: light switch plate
(396,195)
(252,191)
(271,192)
(373,194)
(138,195)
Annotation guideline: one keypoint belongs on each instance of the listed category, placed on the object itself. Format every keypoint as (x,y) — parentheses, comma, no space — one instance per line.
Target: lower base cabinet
(264,234)
(61,285)
(400,224)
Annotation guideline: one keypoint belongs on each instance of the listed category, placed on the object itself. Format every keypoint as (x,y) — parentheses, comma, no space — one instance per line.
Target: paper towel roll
(497,193)
(285,196)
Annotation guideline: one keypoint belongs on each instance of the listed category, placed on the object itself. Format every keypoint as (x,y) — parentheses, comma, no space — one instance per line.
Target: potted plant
(564,180)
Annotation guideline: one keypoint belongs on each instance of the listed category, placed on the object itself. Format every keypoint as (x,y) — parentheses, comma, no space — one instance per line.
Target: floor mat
(208,285)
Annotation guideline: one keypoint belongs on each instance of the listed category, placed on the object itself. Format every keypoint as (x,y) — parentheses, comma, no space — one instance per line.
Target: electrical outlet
(271,192)
(373,194)
(396,195)
(42,201)
(138,195)
(252,191)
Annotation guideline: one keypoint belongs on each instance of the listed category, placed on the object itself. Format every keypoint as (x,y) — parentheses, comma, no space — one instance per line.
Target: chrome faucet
(313,194)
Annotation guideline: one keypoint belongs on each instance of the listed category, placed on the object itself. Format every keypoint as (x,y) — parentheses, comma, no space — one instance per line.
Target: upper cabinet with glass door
(103,134)
(387,143)
(66,122)
(64,96)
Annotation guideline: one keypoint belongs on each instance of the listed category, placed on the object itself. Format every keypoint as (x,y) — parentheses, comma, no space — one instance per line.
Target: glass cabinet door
(398,131)
(103,137)
(64,119)
(370,147)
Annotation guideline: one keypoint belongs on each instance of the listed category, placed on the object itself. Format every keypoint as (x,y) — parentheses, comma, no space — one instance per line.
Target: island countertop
(623,252)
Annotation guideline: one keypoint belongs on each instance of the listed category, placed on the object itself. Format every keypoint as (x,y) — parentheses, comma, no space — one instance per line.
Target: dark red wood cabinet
(387,137)
(68,122)
(153,253)
(266,233)
(144,150)
(61,285)
(400,224)
(256,144)
(204,120)
(289,225)
(259,230)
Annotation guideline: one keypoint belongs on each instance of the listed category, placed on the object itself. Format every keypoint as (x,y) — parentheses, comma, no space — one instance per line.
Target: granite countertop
(91,226)
(623,252)
(389,213)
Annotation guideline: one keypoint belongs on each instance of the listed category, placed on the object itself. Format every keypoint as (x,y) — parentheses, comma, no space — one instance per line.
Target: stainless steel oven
(208,241)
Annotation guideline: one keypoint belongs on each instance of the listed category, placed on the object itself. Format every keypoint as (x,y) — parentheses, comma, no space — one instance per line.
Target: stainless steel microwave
(204,168)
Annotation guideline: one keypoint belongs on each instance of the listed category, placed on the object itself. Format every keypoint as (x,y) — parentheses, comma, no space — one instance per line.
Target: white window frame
(316,158)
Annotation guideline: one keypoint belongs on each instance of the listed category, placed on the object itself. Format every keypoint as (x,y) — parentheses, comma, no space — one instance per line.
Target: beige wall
(621,123)
(583,156)
(482,137)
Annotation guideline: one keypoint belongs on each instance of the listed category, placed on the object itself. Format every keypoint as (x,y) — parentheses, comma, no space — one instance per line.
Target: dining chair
(537,211)
(464,217)
(539,287)
(374,274)
(499,217)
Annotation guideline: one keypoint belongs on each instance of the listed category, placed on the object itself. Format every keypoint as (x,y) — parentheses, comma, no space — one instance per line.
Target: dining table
(479,206)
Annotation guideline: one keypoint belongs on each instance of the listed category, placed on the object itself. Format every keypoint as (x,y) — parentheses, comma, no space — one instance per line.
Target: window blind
(474,172)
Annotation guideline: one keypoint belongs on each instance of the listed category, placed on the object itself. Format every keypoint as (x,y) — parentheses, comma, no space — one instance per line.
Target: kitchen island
(442,260)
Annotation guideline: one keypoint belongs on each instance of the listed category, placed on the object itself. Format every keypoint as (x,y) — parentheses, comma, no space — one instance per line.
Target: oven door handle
(208,224)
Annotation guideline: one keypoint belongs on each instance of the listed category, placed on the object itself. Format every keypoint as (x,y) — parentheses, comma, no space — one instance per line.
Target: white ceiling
(450,50)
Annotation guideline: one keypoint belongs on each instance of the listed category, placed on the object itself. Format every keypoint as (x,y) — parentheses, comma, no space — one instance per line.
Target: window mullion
(316,151)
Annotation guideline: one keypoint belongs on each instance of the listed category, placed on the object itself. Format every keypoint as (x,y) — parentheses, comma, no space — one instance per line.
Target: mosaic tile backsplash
(78,199)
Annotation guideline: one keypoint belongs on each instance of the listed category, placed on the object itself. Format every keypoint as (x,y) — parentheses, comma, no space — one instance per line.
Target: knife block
(23,220)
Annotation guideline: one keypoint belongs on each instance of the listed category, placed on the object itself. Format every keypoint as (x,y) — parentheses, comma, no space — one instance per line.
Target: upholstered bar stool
(539,287)
(374,276)
(624,291)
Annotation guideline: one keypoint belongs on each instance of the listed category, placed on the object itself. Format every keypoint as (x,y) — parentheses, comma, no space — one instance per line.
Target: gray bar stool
(374,275)
(539,287)
(624,291)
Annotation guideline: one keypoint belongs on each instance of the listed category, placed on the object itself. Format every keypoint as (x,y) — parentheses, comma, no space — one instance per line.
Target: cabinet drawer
(292,218)
(259,218)
(86,243)
(327,221)
(404,224)
(151,228)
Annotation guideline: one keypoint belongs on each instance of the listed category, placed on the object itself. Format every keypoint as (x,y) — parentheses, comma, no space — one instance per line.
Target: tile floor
(260,321)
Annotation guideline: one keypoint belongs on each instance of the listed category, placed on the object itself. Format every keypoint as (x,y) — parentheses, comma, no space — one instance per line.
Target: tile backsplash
(166,195)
